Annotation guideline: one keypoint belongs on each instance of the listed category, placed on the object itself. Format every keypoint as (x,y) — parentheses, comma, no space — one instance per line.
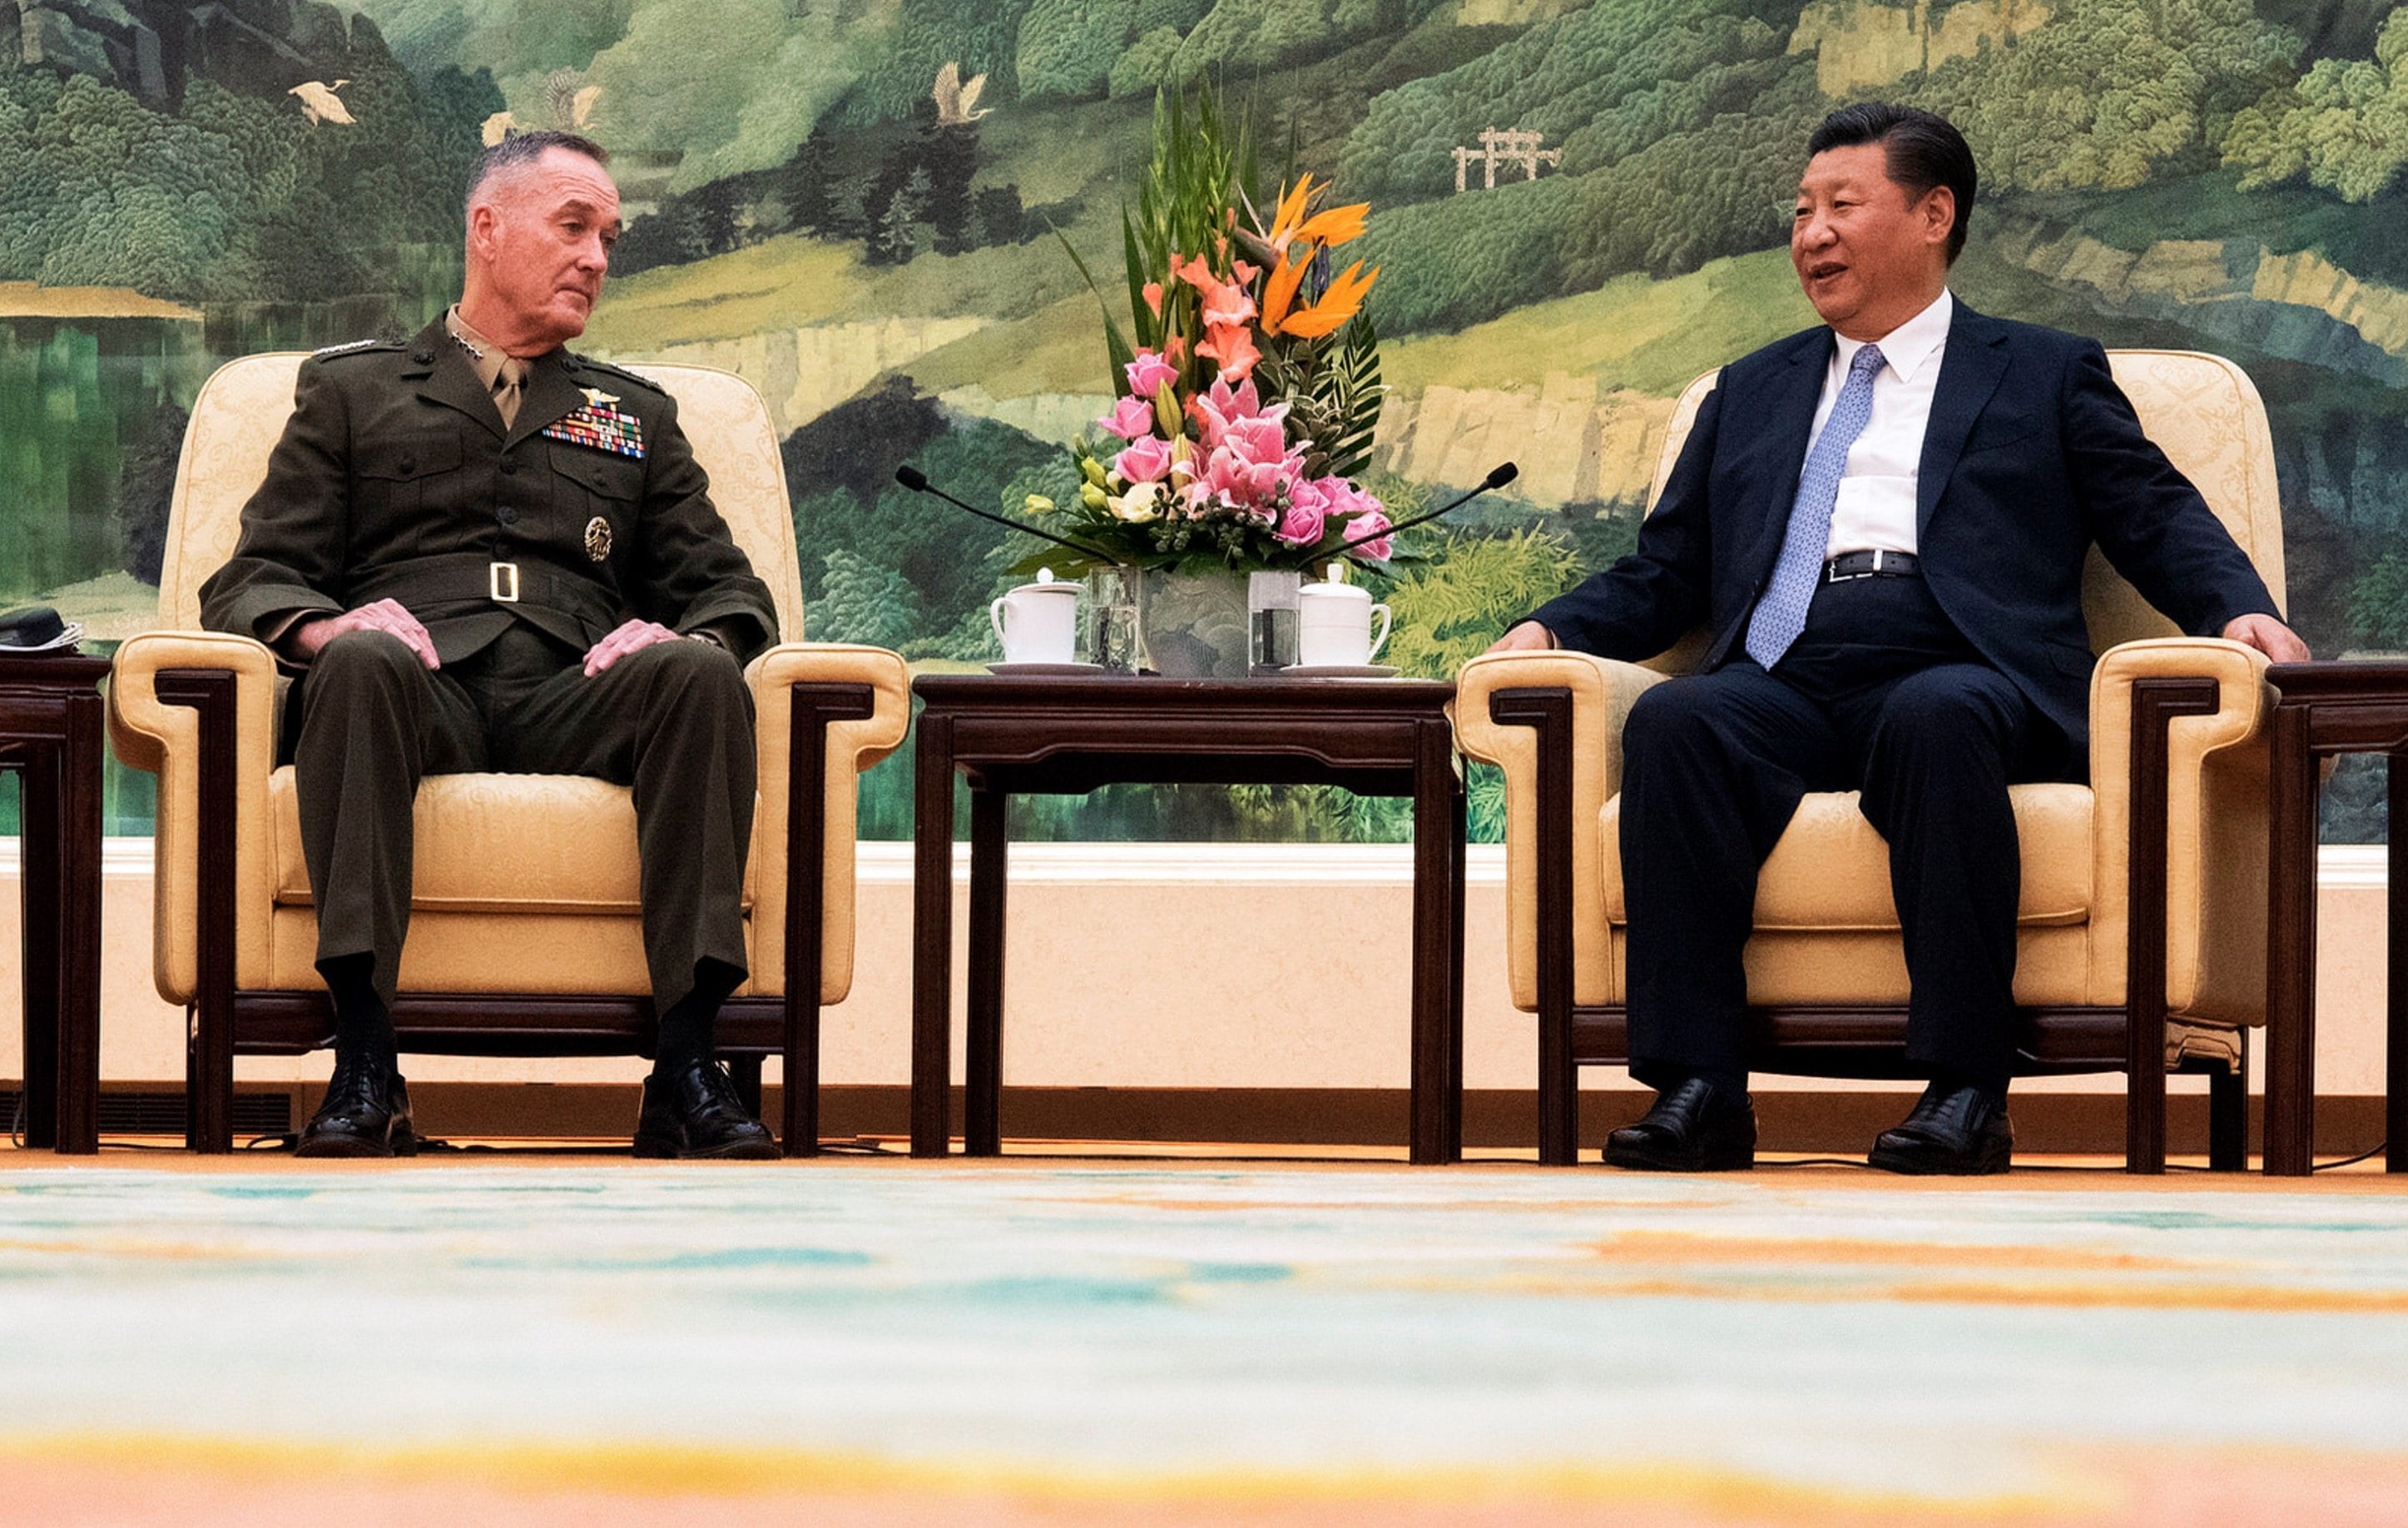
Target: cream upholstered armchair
(525,929)
(2140,943)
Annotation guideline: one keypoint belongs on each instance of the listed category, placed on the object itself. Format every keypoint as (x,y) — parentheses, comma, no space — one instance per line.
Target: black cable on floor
(2375,1150)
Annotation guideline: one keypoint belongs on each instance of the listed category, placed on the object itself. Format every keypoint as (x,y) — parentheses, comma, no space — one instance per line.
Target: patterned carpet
(1040,1342)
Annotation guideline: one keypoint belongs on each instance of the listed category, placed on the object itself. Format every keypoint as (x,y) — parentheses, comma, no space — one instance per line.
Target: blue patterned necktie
(1781,612)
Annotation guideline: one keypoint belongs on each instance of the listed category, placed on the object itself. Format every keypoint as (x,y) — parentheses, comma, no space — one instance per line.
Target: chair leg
(745,1073)
(814,707)
(208,1070)
(2227,1114)
(211,1071)
(1548,712)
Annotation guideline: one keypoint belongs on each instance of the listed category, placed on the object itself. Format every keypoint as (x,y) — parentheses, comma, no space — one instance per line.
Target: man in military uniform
(483,552)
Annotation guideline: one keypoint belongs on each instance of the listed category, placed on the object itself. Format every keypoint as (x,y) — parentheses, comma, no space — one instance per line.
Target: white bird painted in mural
(318,102)
(956,101)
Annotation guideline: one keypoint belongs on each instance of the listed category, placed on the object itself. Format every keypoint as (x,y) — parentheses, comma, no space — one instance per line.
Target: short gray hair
(520,148)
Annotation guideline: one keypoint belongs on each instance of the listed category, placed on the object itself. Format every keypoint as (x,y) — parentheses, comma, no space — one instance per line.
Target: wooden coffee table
(2325,710)
(50,735)
(1067,736)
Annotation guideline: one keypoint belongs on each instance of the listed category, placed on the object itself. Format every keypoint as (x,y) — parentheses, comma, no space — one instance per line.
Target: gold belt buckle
(502,581)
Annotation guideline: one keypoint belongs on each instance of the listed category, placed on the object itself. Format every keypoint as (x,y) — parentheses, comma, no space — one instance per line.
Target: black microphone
(1499,476)
(913,478)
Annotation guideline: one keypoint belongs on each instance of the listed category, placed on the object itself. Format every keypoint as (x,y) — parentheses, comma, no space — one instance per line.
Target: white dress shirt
(1876,506)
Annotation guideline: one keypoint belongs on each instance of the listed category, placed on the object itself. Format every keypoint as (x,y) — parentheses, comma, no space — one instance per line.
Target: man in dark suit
(1882,524)
(483,552)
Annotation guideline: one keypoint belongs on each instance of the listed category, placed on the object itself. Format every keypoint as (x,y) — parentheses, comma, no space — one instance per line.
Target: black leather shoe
(1693,1128)
(366,1113)
(691,1110)
(1956,1130)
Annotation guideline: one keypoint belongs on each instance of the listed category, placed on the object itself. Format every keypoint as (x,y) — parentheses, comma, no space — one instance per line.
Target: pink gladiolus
(1227,304)
(1152,292)
(1233,346)
(1146,461)
(1129,418)
(1147,372)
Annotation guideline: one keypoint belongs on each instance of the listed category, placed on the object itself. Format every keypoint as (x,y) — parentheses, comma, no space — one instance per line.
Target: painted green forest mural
(1577,207)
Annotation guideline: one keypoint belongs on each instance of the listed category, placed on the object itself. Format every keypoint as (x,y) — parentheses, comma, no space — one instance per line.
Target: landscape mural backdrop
(856,204)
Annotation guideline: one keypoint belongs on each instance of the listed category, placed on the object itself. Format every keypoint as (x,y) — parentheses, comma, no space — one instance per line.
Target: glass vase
(1193,624)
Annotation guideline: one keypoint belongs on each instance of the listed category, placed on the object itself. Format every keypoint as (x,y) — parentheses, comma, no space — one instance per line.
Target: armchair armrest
(853,705)
(1599,694)
(2215,757)
(187,706)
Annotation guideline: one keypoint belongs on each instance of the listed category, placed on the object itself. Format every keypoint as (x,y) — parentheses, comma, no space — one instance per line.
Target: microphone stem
(1345,547)
(1014,525)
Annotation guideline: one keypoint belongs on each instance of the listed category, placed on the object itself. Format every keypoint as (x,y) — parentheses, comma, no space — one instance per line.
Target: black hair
(525,149)
(1920,148)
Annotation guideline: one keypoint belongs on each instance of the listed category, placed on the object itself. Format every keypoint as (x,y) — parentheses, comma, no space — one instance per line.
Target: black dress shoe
(1693,1128)
(366,1113)
(1957,1130)
(691,1110)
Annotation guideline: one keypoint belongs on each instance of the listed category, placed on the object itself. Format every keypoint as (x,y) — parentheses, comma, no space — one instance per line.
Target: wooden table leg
(45,895)
(78,1062)
(932,937)
(2292,949)
(982,1097)
(1437,1057)
(1459,834)
(2395,1064)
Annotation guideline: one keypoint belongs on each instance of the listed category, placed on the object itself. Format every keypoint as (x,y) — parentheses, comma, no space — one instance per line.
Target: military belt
(468,577)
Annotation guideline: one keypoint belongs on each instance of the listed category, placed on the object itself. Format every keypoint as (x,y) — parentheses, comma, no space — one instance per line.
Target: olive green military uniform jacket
(395,479)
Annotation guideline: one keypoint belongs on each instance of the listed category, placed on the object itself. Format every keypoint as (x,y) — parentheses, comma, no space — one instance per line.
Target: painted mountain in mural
(861,205)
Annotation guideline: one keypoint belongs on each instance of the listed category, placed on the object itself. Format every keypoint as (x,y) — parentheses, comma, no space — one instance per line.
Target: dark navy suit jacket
(2032,453)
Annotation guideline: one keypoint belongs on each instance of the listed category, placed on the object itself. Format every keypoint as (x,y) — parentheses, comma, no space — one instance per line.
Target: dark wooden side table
(2322,710)
(1067,736)
(49,734)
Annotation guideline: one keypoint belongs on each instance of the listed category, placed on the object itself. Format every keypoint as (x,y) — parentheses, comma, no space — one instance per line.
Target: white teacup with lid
(1036,623)
(1333,627)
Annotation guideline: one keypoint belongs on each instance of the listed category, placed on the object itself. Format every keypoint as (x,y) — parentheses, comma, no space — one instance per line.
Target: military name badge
(600,426)
(598,540)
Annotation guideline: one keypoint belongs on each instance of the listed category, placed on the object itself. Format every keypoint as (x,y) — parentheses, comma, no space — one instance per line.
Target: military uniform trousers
(1881,695)
(673,721)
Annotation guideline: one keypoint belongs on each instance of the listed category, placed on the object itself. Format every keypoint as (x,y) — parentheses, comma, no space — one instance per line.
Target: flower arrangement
(1247,385)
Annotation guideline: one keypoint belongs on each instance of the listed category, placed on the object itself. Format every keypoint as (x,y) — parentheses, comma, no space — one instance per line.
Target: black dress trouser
(674,721)
(1879,694)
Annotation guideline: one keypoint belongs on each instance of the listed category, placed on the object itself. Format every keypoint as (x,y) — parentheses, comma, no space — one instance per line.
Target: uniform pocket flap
(613,477)
(400,461)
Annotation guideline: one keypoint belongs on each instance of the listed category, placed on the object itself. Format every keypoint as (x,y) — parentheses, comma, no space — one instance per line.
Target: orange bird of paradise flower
(1290,229)
(1339,302)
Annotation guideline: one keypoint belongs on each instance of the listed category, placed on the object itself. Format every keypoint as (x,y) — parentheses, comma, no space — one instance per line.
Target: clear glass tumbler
(1111,639)
(1271,603)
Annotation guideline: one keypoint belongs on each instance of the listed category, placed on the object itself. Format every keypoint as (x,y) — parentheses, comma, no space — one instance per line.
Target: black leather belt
(1848,565)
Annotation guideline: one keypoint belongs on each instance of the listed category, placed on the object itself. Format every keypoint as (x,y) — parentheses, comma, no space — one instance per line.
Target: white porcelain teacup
(1333,627)
(1036,623)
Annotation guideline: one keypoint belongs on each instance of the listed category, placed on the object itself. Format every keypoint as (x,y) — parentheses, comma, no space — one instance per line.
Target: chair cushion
(500,844)
(1831,870)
